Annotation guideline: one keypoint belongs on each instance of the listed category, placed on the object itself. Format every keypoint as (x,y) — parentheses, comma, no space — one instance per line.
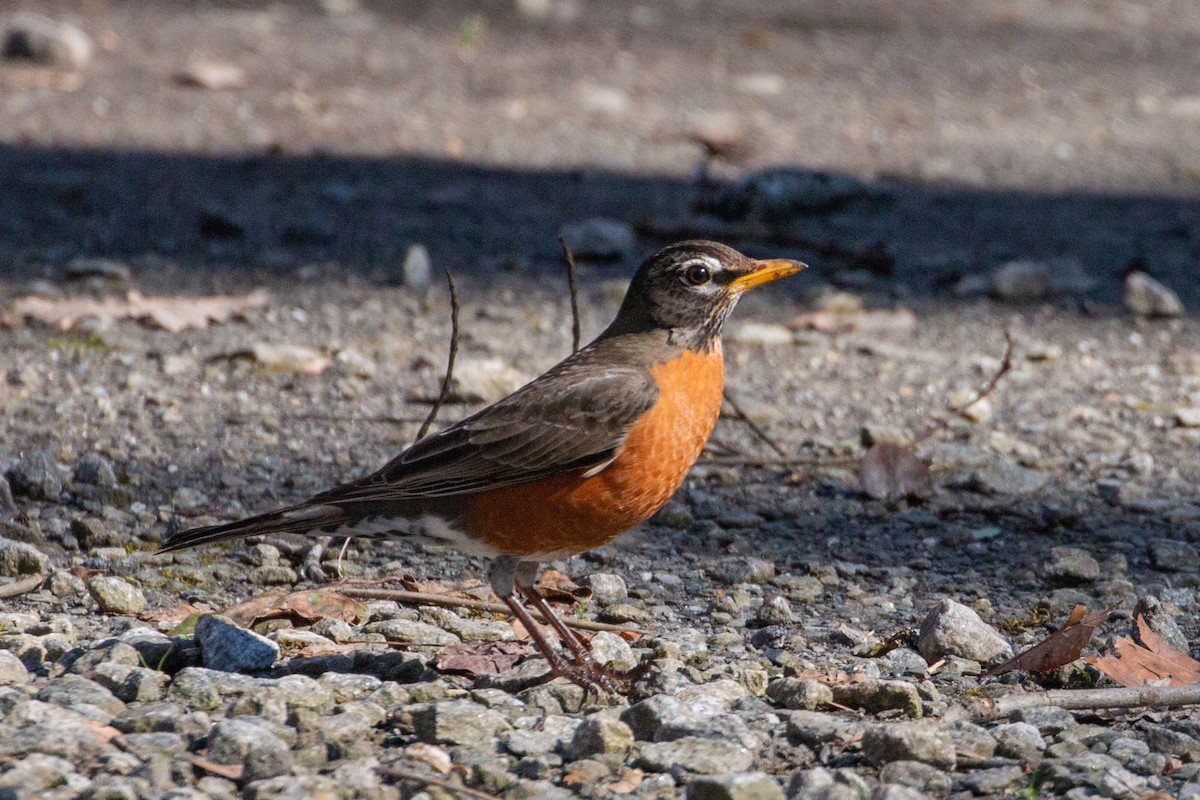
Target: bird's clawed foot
(593,676)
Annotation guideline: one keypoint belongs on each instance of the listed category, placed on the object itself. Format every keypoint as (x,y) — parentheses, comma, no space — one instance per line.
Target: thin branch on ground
(445,392)
(311,567)
(984,709)
(411,775)
(569,257)
(8,507)
(754,427)
(22,586)
(1005,365)
(428,599)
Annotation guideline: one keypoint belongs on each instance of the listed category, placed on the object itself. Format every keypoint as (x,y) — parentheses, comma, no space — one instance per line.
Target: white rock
(38,38)
(1146,297)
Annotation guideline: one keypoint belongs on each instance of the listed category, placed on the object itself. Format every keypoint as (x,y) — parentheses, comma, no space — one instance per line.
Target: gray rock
(903,661)
(647,717)
(1049,720)
(94,469)
(94,533)
(599,239)
(1094,771)
(1172,742)
(736,786)
(812,728)
(740,569)
(795,693)
(775,610)
(456,722)
(995,781)
(46,41)
(116,595)
(227,648)
(242,741)
(951,628)
(81,695)
(823,784)
(19,558)
(599,734)
(1021,281)
(34,775)
(606,587)
(694,754)
(876,695)
(1173,556)
(167,743)
(1070,566)
(1146,297)
(1006,478)
(132,684)
(12,671)
(925,741)
(36,476)
(417,270)
(895,791)
(972,741)
(1019,740)
(405,630)
(293,787)
(613,651)
(915,775)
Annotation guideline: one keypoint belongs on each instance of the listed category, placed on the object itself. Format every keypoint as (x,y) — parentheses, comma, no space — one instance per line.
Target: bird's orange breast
(571,513)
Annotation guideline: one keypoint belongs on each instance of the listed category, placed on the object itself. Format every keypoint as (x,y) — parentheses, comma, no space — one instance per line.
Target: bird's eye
(697,275)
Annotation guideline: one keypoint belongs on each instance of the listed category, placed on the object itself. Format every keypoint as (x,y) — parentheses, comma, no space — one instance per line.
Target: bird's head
(689,288)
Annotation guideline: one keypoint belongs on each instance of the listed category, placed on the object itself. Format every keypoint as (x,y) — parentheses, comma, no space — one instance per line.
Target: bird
(585,452)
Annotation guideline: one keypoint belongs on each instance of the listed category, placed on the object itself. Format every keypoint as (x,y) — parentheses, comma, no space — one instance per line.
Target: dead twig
(986,709)
(425,598)
(570,259)
(445,392)
(17,588)
(400,773)
(1005,365)
(8,507)
(754,427)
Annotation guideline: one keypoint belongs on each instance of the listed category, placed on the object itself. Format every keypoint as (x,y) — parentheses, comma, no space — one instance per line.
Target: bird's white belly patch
(428,528)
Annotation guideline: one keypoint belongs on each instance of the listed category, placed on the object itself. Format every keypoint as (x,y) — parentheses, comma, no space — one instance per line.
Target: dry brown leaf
(469,589)
(485,658)
(231,772)
(301,608)
(558,588)
(176,613)
(105,733)
(628,780)
(891,471)
(174,314)
(1147,662)
(291,358)
(1059,648)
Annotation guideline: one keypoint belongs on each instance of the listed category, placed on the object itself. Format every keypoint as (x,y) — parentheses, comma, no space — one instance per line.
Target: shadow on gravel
(267,214)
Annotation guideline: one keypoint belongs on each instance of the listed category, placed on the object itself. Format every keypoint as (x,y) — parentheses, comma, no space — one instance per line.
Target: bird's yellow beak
(765,272)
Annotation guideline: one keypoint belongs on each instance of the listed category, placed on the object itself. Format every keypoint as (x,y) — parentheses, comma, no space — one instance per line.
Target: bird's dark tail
(302,518)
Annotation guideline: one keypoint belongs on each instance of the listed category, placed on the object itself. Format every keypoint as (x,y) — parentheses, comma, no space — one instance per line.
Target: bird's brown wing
(573,418)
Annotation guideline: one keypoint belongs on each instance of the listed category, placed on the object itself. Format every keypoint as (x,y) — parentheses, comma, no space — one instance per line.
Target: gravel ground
(1007,186)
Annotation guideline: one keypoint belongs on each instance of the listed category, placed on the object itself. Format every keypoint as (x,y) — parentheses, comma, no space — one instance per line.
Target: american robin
(568,462)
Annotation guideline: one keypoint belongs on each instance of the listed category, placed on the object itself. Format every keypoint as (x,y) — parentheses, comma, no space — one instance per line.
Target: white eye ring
(699,271)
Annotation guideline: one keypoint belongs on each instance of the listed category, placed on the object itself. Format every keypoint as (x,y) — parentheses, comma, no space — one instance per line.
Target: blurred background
(908,147)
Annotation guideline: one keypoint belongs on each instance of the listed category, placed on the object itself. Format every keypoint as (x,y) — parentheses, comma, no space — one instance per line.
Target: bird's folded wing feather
(574,417)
